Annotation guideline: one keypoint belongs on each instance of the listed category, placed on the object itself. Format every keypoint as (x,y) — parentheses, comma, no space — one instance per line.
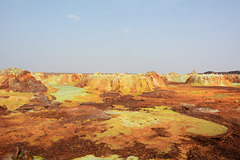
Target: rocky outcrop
(208,80)
(157,80)
(23,82)
(39,102)
(21,153)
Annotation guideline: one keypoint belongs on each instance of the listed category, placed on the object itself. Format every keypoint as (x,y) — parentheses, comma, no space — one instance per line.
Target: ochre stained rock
(234,78)
(59,79)
(124,83)
(176,77)
(208,80)
(23,82)
(12,71)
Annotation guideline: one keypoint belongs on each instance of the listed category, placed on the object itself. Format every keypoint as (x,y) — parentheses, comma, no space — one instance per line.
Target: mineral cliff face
(124,83)
(23,82)
(208,80)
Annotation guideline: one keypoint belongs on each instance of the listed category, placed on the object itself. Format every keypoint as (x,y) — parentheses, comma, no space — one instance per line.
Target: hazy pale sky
(120,35)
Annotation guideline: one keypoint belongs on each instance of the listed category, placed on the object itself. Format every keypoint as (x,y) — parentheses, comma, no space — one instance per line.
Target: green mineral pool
(125,121)
(236,84)
(68,92)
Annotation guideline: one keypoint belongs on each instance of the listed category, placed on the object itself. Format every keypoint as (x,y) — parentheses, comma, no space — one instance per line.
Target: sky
(109,36)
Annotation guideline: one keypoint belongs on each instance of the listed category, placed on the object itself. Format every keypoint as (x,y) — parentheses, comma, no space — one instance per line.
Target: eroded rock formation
(124,83)
(23,82)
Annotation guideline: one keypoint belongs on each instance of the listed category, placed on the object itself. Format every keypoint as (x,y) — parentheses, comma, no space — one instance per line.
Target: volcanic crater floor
(175,122)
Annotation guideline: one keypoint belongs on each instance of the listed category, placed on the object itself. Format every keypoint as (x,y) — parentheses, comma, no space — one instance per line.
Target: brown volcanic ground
(153,119)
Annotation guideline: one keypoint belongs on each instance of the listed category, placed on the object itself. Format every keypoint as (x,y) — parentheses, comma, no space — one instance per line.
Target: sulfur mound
(23,82)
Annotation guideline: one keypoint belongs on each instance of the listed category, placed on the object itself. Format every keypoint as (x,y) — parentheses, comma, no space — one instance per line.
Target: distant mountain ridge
(229,72)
